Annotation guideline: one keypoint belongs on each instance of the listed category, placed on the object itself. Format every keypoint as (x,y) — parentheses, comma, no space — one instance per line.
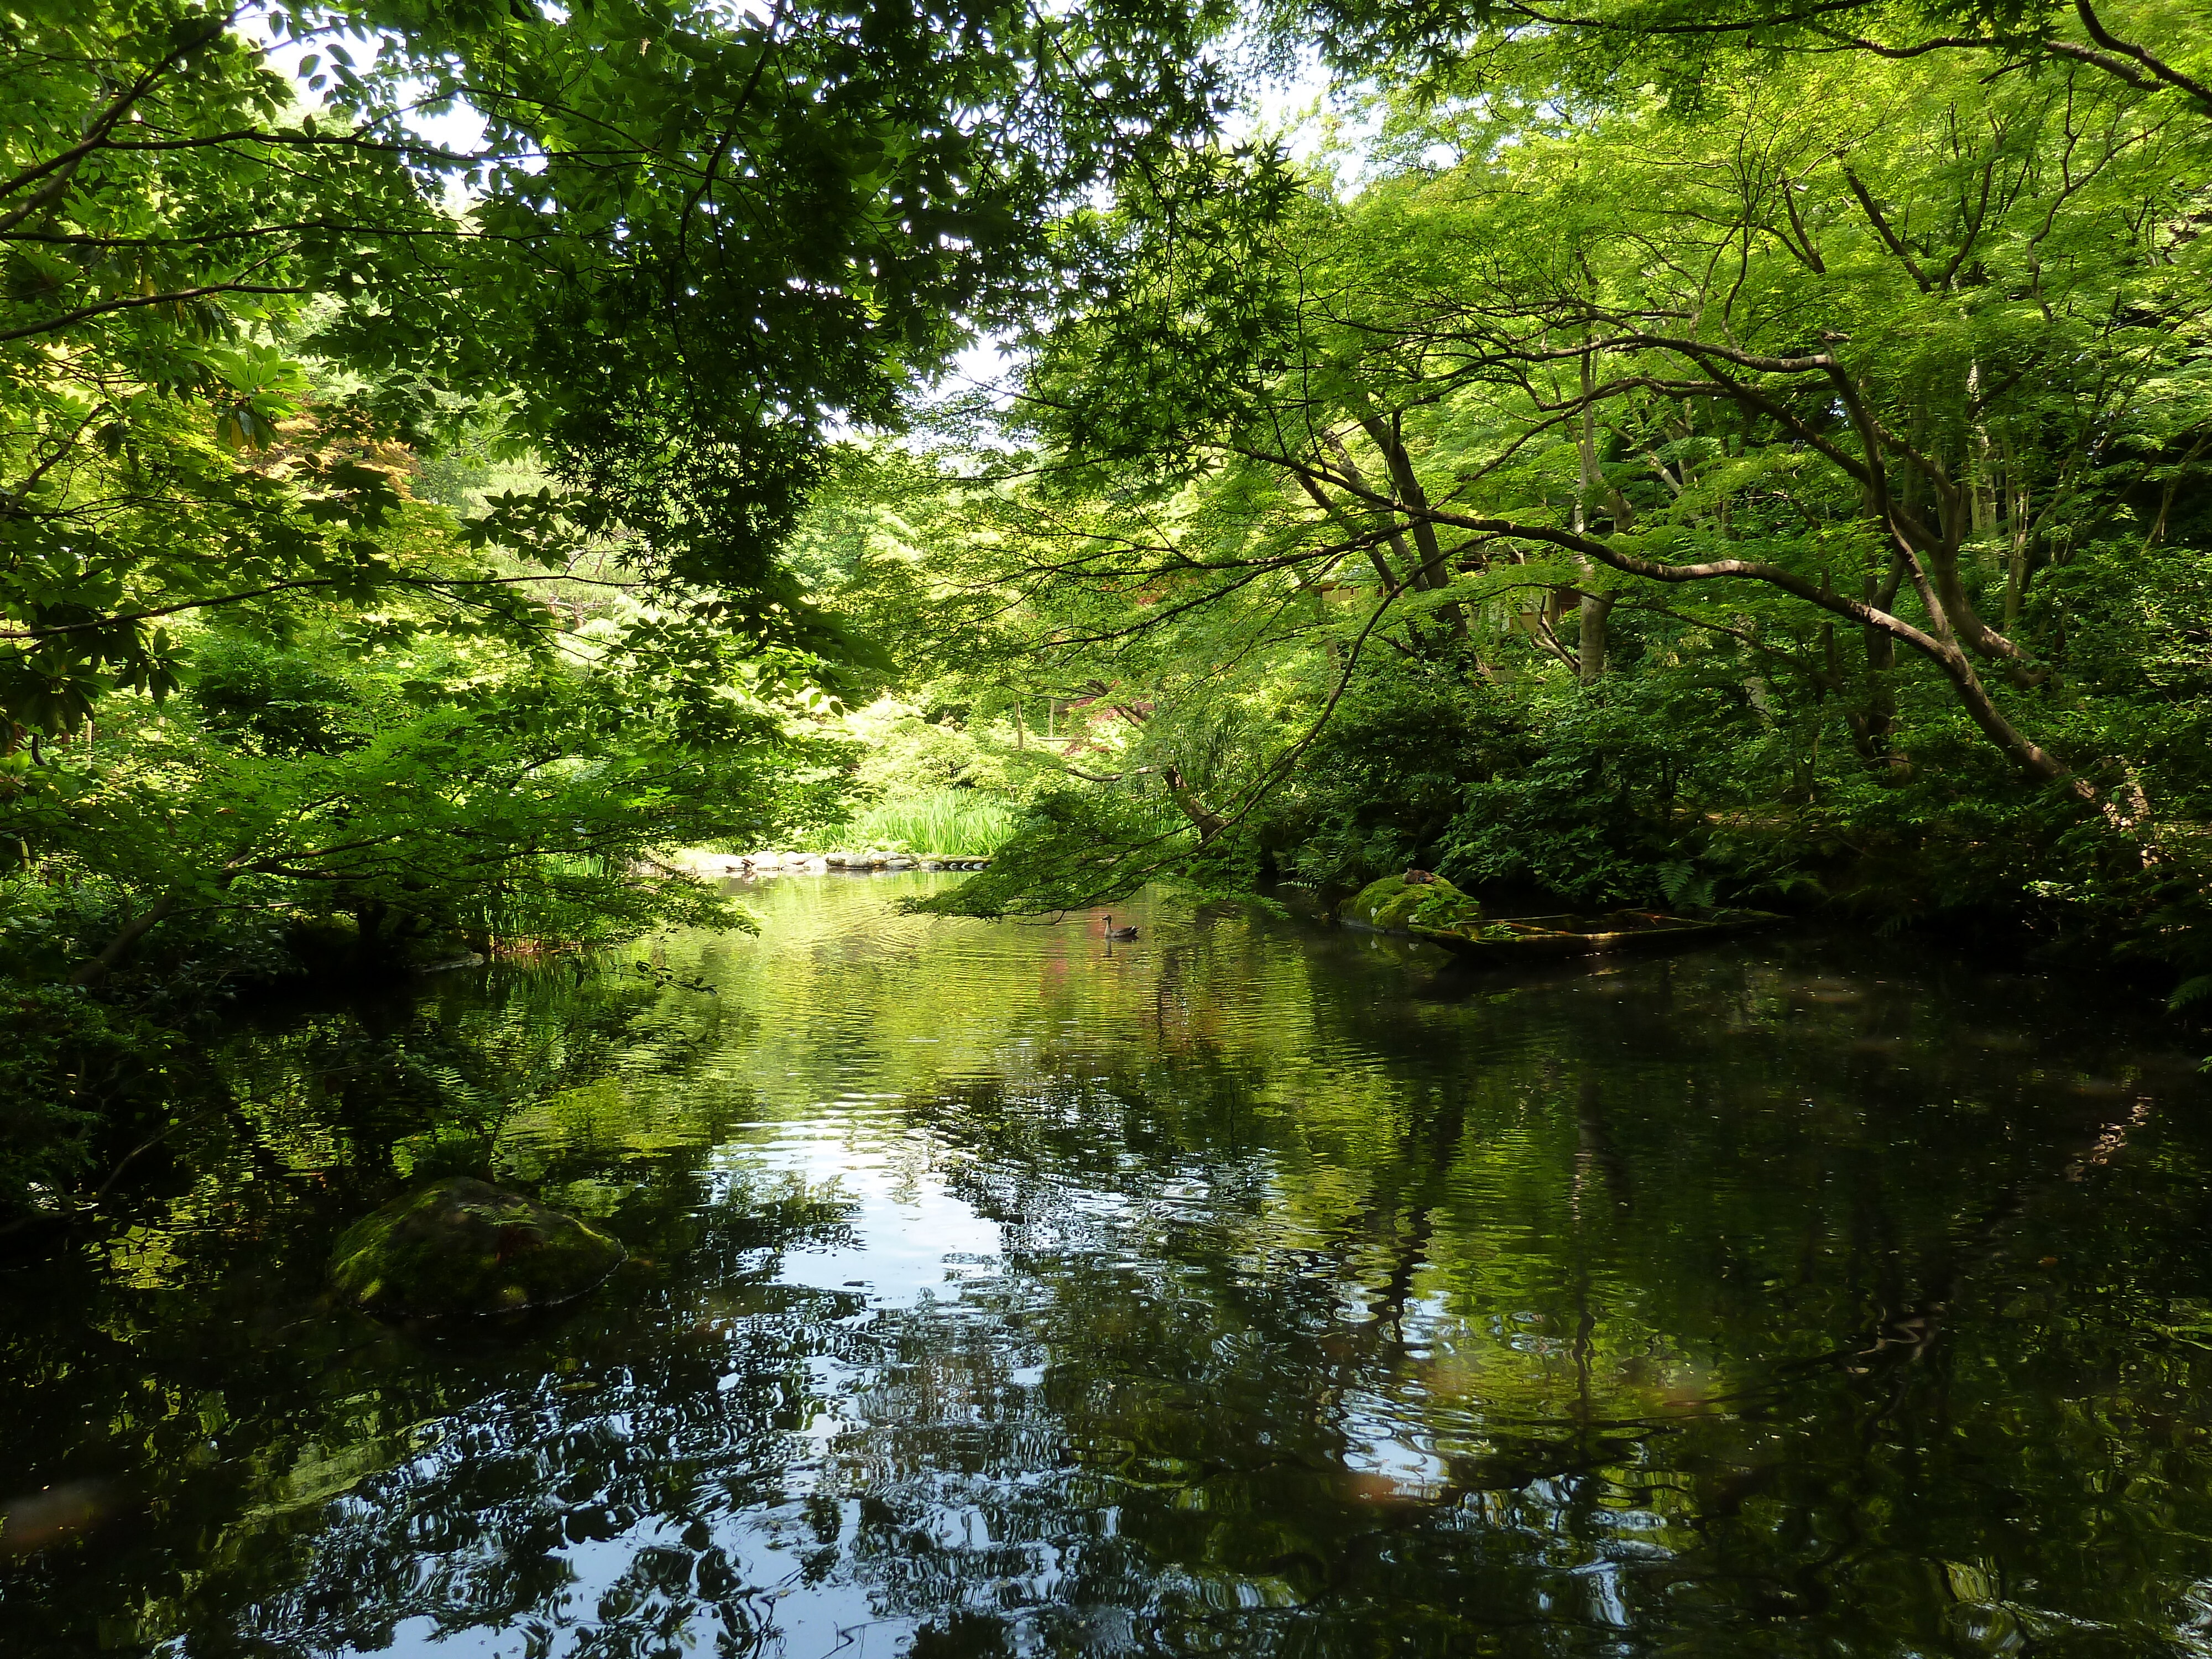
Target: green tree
(1603,49)
(688,244)
(1841,394)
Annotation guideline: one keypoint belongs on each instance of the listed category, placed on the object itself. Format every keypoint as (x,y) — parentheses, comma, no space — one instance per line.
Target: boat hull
(1538,938)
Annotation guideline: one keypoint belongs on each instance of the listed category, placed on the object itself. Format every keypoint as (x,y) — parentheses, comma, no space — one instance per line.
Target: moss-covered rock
(1396,905)
(460,1246)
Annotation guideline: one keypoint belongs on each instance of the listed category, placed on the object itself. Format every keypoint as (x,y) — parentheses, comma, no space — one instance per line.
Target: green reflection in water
(1249,1289)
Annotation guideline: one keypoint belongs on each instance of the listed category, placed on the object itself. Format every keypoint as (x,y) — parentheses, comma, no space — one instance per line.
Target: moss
(1396,906)
(459,1245)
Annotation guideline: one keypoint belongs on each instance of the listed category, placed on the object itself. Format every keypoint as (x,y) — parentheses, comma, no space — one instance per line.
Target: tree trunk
(1589,648)
(1873,724)
(1434,571)
(1210,823)
(119,947)
(1392,579)
(1596,608)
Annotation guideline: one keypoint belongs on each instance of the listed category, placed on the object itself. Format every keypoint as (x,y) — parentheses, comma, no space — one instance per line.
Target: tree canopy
(1851,385)
(688,246)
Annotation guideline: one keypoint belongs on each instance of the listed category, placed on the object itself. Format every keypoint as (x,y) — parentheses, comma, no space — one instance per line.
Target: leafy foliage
(453,487)
(692,240)
(1789,490)
(1075,848)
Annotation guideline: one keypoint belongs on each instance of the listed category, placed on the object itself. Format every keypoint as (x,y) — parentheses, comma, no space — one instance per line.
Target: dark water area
(1251,1289)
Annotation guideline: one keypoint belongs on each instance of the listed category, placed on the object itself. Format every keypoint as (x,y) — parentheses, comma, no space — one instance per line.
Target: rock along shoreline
(721,866)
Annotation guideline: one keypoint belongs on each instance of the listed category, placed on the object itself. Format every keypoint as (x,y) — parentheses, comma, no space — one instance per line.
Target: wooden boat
(1506,939)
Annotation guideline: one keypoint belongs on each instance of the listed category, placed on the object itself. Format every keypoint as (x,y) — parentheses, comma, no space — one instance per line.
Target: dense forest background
(1677,453)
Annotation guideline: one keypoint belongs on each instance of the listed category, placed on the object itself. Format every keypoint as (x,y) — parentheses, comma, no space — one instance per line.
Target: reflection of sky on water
(911,1238)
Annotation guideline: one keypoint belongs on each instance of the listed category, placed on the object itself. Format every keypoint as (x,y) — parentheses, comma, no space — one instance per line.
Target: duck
(1112,932)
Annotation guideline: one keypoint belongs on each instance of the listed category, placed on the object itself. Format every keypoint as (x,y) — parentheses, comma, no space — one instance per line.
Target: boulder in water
(461,1245)
(1397,904)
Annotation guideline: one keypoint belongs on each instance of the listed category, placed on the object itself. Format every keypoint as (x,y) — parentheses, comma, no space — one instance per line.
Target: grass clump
(959,821)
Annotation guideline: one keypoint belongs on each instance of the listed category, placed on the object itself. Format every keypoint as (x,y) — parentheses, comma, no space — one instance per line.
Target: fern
(2190,990)
(1686,890)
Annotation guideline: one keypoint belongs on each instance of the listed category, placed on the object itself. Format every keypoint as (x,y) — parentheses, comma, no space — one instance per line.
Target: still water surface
(1252,1289)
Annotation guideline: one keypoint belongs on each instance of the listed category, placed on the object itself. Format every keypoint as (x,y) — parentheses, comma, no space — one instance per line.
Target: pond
(1250,1288)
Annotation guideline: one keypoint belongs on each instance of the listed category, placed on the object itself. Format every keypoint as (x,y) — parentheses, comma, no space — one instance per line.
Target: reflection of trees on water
(590,1512)
(1322,1323)
(1790,1474)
